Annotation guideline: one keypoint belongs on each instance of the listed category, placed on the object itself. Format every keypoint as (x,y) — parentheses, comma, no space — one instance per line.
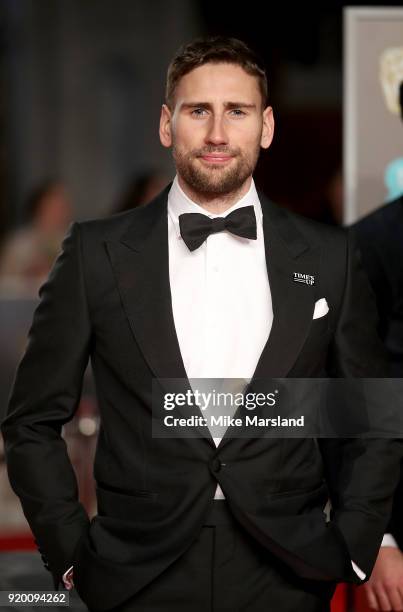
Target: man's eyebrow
(228,105)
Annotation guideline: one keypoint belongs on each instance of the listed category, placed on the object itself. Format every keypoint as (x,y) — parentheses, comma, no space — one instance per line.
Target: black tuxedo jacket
(108,298)
(380,238)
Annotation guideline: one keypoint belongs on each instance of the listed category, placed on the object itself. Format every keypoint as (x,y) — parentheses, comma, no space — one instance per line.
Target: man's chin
(213,176)
(217,187)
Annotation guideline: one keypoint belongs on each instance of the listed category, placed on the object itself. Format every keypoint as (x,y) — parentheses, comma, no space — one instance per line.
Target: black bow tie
(195,227)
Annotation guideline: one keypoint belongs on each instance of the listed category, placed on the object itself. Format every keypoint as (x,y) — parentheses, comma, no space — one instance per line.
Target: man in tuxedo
(210,279)
(380,239)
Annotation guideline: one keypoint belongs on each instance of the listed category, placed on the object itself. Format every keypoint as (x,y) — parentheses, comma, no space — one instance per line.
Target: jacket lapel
(141,267)
(287,251)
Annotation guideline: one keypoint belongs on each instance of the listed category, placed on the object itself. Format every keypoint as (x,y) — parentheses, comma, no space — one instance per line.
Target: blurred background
(83,82)
(81,87)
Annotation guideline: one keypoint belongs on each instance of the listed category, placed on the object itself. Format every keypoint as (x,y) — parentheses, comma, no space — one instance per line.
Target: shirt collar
(179,203)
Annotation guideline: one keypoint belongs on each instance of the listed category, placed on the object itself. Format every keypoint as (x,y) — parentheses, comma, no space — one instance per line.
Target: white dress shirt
(221,296)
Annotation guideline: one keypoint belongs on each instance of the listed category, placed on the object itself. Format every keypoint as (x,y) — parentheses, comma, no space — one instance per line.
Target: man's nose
(216,133)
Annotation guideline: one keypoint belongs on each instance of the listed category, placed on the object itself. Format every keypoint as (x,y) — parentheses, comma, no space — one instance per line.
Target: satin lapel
(141,266)
(293,302)
(287,252)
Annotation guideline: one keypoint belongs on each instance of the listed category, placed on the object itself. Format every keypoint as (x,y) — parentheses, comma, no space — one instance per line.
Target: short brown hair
(215,50)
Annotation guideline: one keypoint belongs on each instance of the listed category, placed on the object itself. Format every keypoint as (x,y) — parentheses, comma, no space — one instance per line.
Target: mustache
(210,150)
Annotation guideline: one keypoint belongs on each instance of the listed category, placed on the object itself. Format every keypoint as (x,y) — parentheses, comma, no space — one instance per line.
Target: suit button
(216,465)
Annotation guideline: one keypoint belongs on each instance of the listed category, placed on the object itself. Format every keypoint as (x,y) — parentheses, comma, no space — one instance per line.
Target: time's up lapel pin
(300,277)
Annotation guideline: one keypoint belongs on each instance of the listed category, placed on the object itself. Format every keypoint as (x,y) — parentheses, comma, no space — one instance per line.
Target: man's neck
(213,203)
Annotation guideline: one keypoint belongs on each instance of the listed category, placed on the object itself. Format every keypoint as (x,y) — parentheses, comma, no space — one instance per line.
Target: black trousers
(227,570)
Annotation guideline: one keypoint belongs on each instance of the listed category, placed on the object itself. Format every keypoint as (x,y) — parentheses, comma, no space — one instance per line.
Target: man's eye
(198,112)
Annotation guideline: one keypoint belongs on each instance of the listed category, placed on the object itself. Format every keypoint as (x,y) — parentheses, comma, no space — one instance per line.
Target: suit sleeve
(362,472)
(371,241)
(45,395)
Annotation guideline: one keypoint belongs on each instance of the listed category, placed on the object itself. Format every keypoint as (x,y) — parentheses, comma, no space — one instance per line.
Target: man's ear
(268,128)
(165,126)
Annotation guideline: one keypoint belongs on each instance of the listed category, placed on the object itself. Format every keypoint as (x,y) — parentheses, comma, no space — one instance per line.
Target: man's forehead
(217,83)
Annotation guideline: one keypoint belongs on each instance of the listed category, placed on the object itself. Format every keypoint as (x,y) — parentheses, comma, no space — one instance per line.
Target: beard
(214,180)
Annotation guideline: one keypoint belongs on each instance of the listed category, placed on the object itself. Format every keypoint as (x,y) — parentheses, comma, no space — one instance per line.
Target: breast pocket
(313,355)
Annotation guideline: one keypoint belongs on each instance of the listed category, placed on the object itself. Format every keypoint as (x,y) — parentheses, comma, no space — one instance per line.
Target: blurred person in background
(380,239)
(140,190)
(29,252)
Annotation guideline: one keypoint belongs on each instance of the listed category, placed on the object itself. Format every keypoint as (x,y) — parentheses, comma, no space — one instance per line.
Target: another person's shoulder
(386,215)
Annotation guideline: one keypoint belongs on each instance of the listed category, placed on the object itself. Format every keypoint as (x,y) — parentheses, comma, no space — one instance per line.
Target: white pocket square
(321,308)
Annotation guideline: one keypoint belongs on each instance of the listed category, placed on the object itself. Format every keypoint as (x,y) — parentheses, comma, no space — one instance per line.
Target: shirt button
(215,465)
